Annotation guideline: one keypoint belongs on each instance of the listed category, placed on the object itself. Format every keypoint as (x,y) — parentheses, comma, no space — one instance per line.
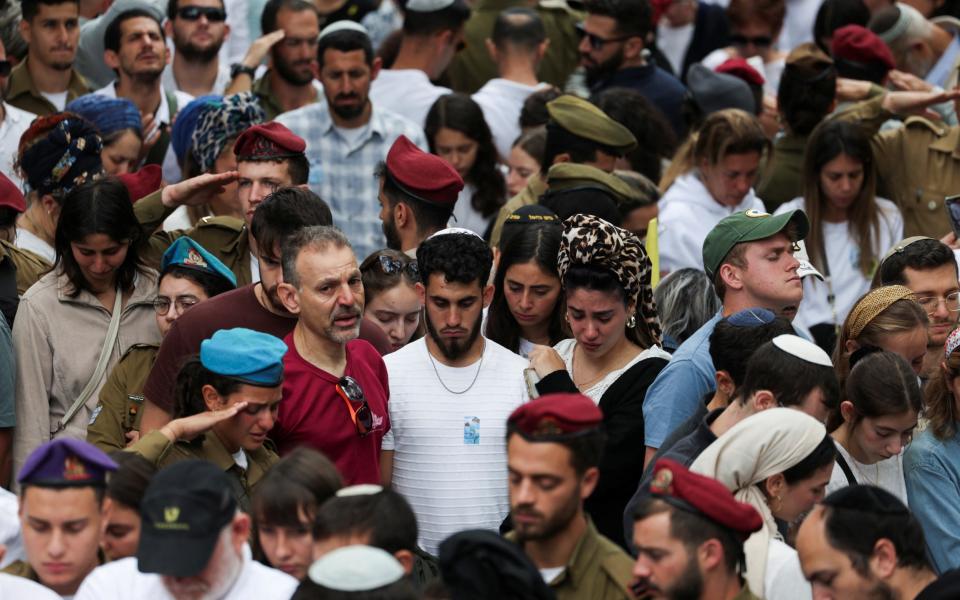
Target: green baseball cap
(748,226)
(586,120)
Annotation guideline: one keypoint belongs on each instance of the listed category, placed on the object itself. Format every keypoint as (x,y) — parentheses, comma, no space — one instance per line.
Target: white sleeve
(97,586)
(387,442)
(784,578)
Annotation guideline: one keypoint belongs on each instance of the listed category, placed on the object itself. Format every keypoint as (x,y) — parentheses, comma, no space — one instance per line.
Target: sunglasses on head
(596,42)
(193,13)
(352,394)
(760,41)
(5,67)
(392,266)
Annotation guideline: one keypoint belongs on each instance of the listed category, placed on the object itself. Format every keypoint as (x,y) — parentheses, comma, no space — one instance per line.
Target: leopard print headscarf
(589,240)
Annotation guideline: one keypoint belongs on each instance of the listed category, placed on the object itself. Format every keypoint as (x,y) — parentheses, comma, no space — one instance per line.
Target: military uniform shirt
(121,399)
(23,93)
(536,187)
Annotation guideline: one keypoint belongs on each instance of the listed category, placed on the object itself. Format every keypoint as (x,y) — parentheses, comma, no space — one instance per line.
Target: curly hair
(459,257)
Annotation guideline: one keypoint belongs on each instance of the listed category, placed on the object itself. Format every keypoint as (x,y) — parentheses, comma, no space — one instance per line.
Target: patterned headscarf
(181,135)
(110,115)
(872,304)
(61,158)
(589,240)
(220,122)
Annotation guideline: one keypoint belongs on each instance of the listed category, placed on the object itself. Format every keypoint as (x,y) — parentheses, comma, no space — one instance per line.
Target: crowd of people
(457,299)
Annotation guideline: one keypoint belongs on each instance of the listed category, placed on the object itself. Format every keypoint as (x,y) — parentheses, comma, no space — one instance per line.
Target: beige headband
(873,303)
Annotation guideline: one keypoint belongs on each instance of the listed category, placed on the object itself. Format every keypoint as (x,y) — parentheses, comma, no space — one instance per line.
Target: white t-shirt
(450,460)
(501,101)
(407,92)
(466,216)
(10,535)
(15,122)
(28,241)
(17,588)
(843,255)
(58,99)
(783,578)
(566,347)
(886,474)
(178,219)
(121,580)
(673,42)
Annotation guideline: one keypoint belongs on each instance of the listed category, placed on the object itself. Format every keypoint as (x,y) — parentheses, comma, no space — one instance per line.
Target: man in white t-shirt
(193,543)
(432,34)
(517,46)
(450,395)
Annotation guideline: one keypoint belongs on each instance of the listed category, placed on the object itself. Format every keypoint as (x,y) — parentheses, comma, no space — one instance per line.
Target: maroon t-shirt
(236,308)
(313,414)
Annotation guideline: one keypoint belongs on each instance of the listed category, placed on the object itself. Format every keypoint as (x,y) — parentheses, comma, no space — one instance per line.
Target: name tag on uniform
(471,430)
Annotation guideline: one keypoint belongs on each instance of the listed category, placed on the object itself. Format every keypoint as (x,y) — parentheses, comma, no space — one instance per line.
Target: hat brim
(175,555)
(771,226)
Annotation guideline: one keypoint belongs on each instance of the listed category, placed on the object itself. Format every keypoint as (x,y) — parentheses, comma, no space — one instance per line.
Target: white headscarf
(754,449)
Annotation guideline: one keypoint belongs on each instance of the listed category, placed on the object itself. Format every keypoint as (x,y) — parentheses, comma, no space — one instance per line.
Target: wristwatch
(240,68)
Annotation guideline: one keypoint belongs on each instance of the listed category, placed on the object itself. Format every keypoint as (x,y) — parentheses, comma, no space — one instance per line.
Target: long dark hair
(460,113)
(94,207)
(534,243)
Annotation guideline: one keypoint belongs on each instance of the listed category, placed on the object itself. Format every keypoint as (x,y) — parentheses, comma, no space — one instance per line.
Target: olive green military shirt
(472,67)
(30,267)
(268,99)
(121,399)
(536,187)
(918,165)
(598,569)
(745,593)
(22,568)
(23,93)
(225,237)
(156,448)
(782,178)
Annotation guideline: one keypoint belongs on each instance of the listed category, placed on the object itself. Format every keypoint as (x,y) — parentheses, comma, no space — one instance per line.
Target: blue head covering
(253,357)
(186,123)
(109,115)
(64,157)
(66,462)
(219,123)
(187,253)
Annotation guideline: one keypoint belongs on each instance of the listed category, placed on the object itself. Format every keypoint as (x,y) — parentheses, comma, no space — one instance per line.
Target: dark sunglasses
(193,13)
(392,266)
(760,41)
(5,67)
(597,42)
(352,394)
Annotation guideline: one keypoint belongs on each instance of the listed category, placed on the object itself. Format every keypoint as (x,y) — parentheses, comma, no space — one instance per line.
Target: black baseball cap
(183,511)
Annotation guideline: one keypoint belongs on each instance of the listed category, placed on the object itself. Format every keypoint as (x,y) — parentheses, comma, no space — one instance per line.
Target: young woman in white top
(711,177)
(879,416)
(850,227)
(457,133)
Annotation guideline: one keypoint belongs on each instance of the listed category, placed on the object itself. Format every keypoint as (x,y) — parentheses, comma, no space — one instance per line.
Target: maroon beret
(677,485)
(268,141)
(859,44)
(556,416)
(142,183)
(740,68)
(10,195)
(422,175)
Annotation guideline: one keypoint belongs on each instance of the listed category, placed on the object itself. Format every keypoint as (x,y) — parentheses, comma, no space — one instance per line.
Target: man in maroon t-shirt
(335,386)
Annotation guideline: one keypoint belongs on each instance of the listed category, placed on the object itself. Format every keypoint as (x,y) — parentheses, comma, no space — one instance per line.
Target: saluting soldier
(189,274)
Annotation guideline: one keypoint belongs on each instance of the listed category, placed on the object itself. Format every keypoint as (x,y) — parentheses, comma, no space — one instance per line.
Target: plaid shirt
(342,171)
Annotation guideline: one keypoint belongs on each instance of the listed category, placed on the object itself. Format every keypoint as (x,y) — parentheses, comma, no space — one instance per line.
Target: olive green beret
(586,120)
(567,175)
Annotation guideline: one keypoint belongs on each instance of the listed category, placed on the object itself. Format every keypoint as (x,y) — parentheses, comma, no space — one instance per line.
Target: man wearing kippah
(554,445)
(689,538)
(348,135)
(61,499)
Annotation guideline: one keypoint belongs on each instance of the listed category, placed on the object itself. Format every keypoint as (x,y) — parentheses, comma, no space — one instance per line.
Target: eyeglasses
(352,394)
(5,67)
(193,13)
(597,42)
(931,303)
(760,41)
(392,266)
(161,304)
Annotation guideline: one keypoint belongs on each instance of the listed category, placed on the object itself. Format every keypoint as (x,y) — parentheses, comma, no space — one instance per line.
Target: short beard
(390,232)
(689,586)
(453,350)
(348,112)
(288,74)
(881,591)
(196,54)
(342,335)
(146,77)
(61,66)
(552,526)
(599,73)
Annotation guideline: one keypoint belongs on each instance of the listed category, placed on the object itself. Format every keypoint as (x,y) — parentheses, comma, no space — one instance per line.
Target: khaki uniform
(745,593)
(30,267)
(23,94)
(121,399)
(225,237)
(22,568)
(268,99)
(917,165)
(156,448)
(782,179)
(598,569)
(472,67)
(536,187)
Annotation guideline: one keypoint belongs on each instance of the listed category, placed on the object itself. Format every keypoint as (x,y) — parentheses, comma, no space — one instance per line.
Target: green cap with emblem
(586,120)
(567,175)
(749,226)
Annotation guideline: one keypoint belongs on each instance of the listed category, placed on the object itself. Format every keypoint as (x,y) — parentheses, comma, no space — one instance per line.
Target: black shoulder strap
(851,480)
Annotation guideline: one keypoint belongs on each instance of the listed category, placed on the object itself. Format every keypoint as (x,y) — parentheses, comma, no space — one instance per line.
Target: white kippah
(361,489)
(450,230)
(428,5)
(355,569)
(908,15)
(806,267)
(344,25)
(802,349)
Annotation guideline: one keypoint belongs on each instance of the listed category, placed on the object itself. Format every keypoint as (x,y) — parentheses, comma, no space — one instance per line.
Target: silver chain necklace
(477,375)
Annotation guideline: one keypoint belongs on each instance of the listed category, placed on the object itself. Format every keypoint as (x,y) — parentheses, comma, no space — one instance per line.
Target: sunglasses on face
(5,67)
(352,395)
(596,42)
(760,41)
(193,13)
(392,266)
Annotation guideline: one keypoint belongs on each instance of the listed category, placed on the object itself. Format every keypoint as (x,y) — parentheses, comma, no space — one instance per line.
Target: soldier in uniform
(226,404)
(577,132)
(19,268)
(701,516)
(189,274)
(559,437)
(269,157)
(61,497)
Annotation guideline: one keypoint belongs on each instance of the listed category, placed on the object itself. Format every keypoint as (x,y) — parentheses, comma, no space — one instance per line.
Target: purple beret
(66,462)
